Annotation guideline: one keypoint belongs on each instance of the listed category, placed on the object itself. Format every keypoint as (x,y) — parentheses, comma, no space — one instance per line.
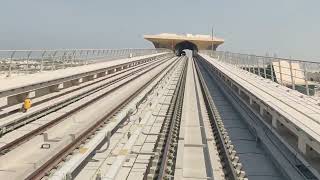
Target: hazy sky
(285,27)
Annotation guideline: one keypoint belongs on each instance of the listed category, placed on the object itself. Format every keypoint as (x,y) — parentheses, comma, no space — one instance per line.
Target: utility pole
(212,39)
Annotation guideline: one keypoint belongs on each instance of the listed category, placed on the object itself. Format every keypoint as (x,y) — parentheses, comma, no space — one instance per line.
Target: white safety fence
(303,76)
(15,62)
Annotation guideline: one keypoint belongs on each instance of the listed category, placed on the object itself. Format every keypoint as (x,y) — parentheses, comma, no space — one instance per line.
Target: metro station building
(178,43)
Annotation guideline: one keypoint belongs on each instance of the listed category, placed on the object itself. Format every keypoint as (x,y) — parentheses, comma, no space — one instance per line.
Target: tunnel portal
(185,45)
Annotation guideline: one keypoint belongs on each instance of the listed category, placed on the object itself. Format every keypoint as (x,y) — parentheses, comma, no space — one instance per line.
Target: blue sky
(285,27)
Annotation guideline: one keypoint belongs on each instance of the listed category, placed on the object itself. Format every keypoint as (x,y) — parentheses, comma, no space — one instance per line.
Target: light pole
(212,41)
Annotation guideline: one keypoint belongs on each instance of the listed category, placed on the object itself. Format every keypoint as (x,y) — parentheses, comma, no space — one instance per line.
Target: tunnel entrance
(185,45)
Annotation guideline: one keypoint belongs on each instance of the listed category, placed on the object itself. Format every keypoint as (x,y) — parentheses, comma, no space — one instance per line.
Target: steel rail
(175,109)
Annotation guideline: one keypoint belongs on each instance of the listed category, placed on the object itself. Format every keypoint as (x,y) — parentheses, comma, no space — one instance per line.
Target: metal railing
(31,61)
(303,76)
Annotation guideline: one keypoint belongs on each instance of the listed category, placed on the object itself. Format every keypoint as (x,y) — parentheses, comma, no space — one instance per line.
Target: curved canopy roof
(170,41)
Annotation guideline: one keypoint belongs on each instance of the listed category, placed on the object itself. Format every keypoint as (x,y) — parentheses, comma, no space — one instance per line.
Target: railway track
(42,100)
(54,161)
(84,91)
(240,145)
(183,125)
(79,139)
(188,149)
(231,171)
(143,126)
(206,145)
(10,145)
(161,166)
(251,131)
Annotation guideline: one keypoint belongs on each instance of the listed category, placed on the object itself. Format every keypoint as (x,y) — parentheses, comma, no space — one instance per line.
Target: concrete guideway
(75,126)
(39,84)
(6,111)
(143,127)
(163,117)
(55,105)
(12,113)
(291,118)
(133,141)
(297,110)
